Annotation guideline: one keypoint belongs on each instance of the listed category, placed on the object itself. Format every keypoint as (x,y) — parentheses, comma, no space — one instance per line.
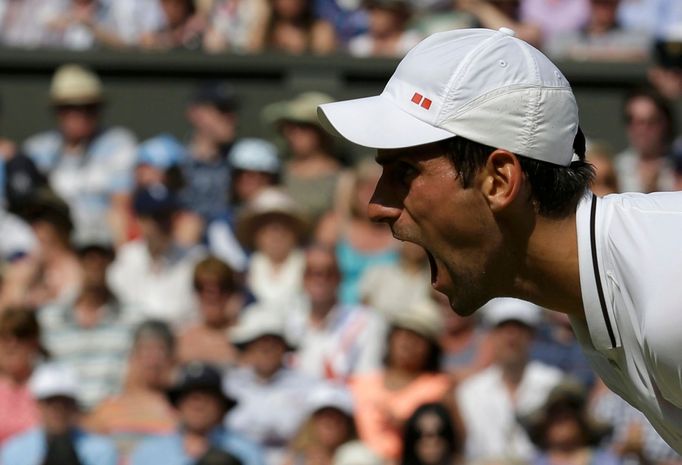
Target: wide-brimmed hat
(567,394)
(75,85)
(463,83)
(271,203)
(301,109)
(504,309)
(258,320)
(423,317)
(199,377)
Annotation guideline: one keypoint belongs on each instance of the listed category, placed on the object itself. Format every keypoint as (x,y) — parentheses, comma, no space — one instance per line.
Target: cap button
(507,31)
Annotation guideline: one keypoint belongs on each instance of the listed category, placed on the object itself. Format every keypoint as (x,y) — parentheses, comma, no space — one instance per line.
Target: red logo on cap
(419,99)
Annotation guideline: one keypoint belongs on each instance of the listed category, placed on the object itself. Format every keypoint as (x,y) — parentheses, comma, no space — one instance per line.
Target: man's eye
(405,173)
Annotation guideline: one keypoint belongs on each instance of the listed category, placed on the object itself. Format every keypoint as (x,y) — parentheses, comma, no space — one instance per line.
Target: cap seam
(532,104)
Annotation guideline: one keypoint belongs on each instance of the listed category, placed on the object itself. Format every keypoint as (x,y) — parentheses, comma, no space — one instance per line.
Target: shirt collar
(598,312)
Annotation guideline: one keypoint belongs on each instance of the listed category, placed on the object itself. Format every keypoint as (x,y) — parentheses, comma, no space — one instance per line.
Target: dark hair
(156,329)
(20,323)
(411,435)
(555,189)
(433,361)
(659,102)
(212,267)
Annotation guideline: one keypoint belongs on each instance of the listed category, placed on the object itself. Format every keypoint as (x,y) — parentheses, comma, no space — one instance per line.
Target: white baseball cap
(504,309)
(258,320)
(330,395)
(480,84)
(53,379)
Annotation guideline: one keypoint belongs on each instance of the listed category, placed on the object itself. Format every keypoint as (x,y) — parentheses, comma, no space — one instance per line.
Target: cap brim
(377,122)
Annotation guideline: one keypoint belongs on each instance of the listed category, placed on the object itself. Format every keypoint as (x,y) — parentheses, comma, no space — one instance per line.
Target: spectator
(347,18)
(56,274)
(645,166)
(255,166)
(410,378)
(359,242)
(154,273)
(555,17)
(329,426)
(75,25)
(87,164)
(126,21)
(565,432)
(25,23)
(201,405)
(271,398)
(237,25)
(556,345)
(312,173)
(217,288)
(605,178)
(430,438)
(388,34)
(90,332)
(389,287)
(141,408)
(58,441)
(655,17)
(156,159)
(602,38)
(494,14)
(183,27)
(18,260)
(491,400)
(634,440)
(274,228)
(19,352)
(293,28)
(212,114)
(334,340)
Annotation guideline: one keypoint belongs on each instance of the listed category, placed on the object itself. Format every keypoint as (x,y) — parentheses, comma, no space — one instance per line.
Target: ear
(501,179)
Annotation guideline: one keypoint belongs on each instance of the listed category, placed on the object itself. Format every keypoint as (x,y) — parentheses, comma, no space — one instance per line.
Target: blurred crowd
(621,30)
(226,300)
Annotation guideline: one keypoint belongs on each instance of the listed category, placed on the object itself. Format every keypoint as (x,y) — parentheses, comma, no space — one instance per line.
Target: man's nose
(383,207)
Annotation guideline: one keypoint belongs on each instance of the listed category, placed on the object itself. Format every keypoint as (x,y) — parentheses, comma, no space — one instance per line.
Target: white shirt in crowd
(490,414)
(279,286)
(162,289)
(350,340)
(631,284)
(268,412)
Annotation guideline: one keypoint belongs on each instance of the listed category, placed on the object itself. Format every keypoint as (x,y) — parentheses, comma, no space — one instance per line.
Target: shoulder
(15,450)
(117,135)
(248,451)
(96,445)
(538,371)
(153,445)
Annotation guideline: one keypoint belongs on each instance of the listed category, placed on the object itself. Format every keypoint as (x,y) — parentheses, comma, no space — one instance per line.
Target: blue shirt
(168,450)
(30,448)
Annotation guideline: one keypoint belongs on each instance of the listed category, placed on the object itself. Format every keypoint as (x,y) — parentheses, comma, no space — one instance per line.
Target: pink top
(380,412)
(18,409)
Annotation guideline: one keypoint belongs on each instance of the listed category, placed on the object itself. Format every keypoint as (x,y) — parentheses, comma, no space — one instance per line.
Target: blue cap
(253,154)
(162,151)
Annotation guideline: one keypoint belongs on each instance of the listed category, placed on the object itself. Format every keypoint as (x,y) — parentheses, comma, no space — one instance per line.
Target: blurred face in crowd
(605,179)
(248,184)
(58,414)
(50,236)
(431,446)
(78,123)
(604,14)
(290,10)
(156,233)
(331,427)
(385,21)
(94,263)
(512,341)
(564,431)
(148,175)
(302,139)
(213,300)
(176,11)
(17,356)
(201,411)
(276,238)
(321,277)
(646,126)
(265,355)
(213,124)
(152,361)
(408,350)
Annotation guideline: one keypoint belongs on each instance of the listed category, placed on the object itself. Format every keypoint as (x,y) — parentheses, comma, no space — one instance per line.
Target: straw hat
(75,85)
(422,317)
(271,203)
(301,109)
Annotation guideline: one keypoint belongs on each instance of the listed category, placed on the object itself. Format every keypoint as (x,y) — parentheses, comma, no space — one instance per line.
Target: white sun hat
(504,309)
(480,84)
(258,320)
(327,394)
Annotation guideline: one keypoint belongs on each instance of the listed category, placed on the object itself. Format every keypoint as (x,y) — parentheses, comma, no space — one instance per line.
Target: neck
(320,310)
(512,374)
(550,276)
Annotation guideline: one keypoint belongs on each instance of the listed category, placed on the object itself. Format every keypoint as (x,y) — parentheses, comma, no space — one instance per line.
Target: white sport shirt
(630,255)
